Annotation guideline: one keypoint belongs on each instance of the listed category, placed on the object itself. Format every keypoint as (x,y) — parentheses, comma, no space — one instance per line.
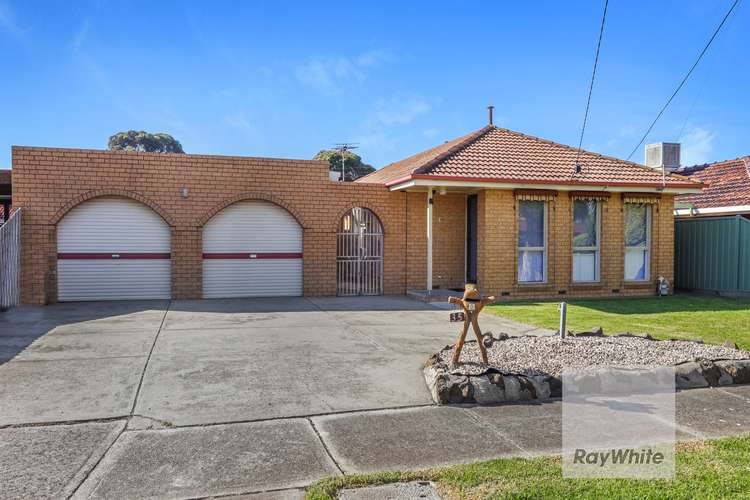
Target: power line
(700,56)
(593,76)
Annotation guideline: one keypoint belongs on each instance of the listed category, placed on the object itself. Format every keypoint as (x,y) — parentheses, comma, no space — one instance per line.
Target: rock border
(495,386)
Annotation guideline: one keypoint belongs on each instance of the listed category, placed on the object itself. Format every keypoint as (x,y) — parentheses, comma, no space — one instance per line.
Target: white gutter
(697,212)
(416,183)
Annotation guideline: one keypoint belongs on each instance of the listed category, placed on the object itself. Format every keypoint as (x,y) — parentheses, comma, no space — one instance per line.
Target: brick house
(727,189)
(509,211)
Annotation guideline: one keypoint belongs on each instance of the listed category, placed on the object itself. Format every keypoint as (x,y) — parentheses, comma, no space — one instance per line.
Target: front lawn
(710,469)
(712,319)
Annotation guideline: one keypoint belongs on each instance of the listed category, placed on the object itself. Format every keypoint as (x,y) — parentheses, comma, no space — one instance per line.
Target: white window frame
(646,247)
(543,249)
(596,249)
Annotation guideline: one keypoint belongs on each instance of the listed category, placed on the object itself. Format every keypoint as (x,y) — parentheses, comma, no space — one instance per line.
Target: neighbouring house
(521,216)
(727,190)
(6,194)
(712,229)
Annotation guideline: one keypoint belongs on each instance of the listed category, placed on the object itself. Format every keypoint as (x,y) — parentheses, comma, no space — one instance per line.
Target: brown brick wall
(47,182)
(497,253)
(449,240)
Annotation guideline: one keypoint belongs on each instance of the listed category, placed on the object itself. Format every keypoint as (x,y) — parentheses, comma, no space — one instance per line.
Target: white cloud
(324,73)
(8,22)
(373,58)
(400,111)
(697,146)
(79,38)
(239,122)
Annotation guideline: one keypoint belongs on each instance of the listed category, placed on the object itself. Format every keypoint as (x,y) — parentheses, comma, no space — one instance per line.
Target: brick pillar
(665,251)
(612,241)
(38,264)
(187,262)
(319,262)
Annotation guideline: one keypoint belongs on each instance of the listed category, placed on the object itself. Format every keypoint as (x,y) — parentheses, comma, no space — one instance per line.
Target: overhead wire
(690,72)
(591,85)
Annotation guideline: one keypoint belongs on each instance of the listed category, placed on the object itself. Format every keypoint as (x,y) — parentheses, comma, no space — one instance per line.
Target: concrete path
(258,398)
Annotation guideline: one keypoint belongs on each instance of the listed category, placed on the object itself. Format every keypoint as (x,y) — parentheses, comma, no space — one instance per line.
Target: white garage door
(113,249)
(252,249)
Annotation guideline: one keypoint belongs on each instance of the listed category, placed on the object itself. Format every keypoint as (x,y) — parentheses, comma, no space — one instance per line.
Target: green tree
(133,140)
(355,167)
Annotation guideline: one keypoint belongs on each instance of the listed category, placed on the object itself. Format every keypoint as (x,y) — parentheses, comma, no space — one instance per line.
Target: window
(586,240)
(637,241)
(532,241)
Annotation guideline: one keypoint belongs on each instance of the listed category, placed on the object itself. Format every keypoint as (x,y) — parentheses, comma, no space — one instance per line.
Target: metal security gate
(10,261)
(359,257)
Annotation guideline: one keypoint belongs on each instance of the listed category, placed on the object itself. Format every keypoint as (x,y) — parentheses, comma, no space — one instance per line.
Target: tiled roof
(502,155)
(4,176)
(728,183)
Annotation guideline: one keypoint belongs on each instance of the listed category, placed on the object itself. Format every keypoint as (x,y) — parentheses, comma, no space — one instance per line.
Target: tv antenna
(343,147)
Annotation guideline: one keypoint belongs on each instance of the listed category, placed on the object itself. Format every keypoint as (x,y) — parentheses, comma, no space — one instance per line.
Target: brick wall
(47,182)
(449,240)
(497,249)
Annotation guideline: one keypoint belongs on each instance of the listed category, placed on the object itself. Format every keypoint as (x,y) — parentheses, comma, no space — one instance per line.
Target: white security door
(252,249)
(113,249)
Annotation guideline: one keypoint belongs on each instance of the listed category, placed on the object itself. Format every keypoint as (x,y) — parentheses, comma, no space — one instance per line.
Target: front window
(586,240)
(532,241)
(637,241)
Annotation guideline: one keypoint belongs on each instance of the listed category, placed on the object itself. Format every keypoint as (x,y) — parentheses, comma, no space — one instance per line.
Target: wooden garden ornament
(472,304)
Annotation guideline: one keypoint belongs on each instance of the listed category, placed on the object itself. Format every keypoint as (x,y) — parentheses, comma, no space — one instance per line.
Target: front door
(471,239)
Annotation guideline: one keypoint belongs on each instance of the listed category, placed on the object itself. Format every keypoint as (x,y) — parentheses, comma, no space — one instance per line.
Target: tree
(133,140)
(355,167)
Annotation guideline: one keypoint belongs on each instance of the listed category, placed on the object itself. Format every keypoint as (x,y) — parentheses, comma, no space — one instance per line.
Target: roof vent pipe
(489,109)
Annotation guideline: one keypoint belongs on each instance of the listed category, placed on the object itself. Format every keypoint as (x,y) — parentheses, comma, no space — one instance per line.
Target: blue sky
(290,78)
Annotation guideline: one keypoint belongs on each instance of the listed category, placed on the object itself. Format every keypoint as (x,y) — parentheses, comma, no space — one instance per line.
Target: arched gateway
(359,257)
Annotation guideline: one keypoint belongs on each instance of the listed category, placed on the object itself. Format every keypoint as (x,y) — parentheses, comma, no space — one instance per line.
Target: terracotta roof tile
(728,183)
(498,154)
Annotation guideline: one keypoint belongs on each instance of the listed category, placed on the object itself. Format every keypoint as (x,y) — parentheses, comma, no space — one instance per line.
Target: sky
(287,79)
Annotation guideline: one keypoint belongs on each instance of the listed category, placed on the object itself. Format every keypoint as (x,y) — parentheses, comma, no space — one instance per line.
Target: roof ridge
(469,139)
(586,151)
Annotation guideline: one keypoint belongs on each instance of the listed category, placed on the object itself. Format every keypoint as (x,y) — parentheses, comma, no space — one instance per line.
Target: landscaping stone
(737,369)
(527,368)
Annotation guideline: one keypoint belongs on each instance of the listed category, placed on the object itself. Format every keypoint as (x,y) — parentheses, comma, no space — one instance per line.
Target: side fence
(10,261)
(713,253)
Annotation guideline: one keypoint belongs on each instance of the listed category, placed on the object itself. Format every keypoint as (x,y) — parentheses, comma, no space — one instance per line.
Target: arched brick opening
(250,197)
(369,207)
(99,193)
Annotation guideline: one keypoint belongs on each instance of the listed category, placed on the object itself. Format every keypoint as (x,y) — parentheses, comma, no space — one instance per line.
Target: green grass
(708,469)
(712,319)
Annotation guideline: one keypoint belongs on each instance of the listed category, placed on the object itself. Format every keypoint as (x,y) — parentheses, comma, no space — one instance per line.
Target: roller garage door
(252,249)
(113,249)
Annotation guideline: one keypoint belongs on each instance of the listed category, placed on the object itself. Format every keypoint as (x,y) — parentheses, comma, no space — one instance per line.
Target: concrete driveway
(188,399)
(158,365)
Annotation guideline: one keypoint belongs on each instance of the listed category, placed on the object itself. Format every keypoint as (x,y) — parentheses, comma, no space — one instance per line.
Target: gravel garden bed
(529,367)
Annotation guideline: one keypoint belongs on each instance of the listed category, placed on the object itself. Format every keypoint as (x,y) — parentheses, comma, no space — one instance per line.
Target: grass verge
(706,469)
(711,319)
